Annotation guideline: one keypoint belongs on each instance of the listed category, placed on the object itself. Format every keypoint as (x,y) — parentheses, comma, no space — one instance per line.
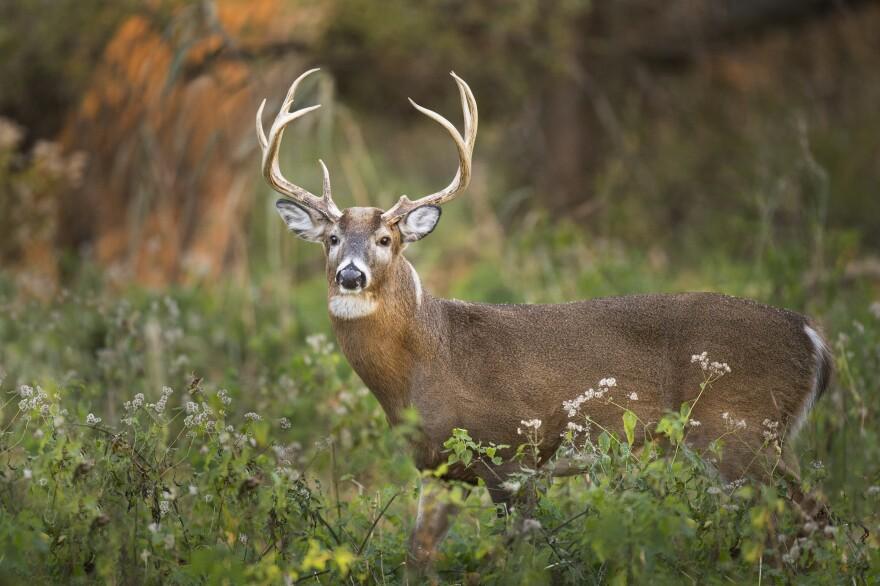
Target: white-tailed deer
(485,368)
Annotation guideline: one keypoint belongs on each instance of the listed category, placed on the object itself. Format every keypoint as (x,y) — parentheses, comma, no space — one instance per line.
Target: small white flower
(576,427)
(694,423)
(251,416)
(530,525)
(243,538)
(874,489)
(145,555)
(633,396)
(511,486)
(92,420)
(193,489)
(164,507)
(27,473)
(713,490)
(284,422)
(43,482)
(154,527)
(38,434)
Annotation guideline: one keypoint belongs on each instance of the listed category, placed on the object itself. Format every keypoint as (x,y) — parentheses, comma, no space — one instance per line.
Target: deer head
(362,245)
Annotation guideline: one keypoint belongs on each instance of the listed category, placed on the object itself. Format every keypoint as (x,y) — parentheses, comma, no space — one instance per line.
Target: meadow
(173,406)
(215,435)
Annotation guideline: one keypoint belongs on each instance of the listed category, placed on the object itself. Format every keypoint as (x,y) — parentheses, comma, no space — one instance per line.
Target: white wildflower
(154,527)
(193,490)
(694,423)
(713,490)
(874,489)
(209,498)
(633,396)
(714,369)
(874,308)
(192,407)
(251,416)
(284,422)
(771,430)
(92,420)
(27,473)
(243,538)
(164,507)
(511,486)
(43,482)
(530,525)
(575,427)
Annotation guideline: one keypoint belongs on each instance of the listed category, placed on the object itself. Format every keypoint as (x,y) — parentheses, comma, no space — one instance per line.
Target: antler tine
(271,146)
(465,146)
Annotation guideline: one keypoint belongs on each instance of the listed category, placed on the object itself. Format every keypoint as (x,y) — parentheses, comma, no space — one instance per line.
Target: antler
(465,150)
(272,145)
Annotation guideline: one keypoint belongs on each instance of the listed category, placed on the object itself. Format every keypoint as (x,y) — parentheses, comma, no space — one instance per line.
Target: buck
(486,368)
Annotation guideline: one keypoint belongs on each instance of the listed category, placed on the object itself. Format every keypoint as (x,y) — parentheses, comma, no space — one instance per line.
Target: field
(174,408)
(217,436)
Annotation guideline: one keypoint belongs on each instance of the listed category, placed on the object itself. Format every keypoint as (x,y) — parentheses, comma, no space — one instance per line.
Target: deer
(486,368)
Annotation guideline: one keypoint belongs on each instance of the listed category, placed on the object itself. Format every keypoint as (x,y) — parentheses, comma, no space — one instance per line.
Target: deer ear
(307,224)
(419,223)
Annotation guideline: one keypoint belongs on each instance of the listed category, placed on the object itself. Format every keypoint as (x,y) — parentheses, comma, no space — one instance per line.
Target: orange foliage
(172,154)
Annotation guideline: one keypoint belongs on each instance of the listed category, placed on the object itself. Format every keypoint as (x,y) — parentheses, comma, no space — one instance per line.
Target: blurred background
(747,131)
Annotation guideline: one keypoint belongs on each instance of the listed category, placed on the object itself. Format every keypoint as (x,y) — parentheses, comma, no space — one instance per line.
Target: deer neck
(382,345)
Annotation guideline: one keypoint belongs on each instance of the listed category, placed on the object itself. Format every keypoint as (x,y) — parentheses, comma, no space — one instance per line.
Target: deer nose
(351,278)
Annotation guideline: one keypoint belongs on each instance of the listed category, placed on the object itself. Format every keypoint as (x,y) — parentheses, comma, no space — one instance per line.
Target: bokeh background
(624,147)
(677,132)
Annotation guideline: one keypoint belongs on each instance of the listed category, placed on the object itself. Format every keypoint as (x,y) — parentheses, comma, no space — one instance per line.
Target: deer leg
(433,520)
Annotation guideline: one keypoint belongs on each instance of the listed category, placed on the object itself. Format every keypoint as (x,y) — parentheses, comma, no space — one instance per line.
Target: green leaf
(629,426)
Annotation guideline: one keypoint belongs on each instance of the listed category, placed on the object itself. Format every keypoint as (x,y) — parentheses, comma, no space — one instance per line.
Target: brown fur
(487,367)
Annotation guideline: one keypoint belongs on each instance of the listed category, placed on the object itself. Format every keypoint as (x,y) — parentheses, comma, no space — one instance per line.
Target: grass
(269,462)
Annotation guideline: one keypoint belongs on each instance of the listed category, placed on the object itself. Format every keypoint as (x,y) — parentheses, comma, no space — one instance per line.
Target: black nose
(350,277)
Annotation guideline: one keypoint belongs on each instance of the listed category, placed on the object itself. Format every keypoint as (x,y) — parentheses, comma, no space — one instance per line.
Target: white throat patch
(417,283)
(352,306)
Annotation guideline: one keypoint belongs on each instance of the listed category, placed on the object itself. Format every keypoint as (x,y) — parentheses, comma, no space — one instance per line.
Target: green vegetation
(270,461)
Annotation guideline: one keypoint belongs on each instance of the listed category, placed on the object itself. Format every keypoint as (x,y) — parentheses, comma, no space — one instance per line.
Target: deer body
(486,368)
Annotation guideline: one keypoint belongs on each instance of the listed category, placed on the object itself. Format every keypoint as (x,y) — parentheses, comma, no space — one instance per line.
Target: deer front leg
(435,514)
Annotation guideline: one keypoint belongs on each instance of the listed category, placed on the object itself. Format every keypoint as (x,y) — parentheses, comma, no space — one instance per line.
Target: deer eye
(385,241)
(334,240)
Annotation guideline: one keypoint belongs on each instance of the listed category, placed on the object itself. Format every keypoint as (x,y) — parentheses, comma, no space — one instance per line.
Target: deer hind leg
(433,520)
